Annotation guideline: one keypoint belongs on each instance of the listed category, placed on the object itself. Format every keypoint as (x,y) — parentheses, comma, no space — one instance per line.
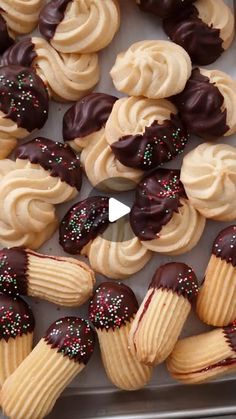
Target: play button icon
(117,210)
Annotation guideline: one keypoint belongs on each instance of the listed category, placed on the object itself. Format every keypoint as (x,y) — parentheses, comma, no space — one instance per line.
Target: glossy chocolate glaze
(22,53)
(73,337)
(16,317)
(224,245)
(88,115)
(13,269)
(163,8)
(50,16)
(6,40)
(112,305)
(157,198)
(83,222)
(200,105)
(202,42)
(230,335)
(23,97)
(177,277)
(158,144)
(56,157)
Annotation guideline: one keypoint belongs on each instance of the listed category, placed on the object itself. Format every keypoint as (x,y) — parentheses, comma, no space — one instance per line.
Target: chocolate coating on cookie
(177,277)
(202,42)
(157,198)
(50,16)
(163,8)
(16,317)
(56,157)
(5,39)
(73,337)
(23,97)
(83,222)
(200,106)
(112,305)
(230,335)
(158,144)
(88,115)
(224,246)
(22,53)
(13,268)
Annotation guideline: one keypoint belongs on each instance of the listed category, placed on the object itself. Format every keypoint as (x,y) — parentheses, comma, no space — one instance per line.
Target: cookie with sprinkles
(162,216)
(163,313)
(145,133)
(112,311)
(59,357)
(216,303)
(16,333)
(24,105)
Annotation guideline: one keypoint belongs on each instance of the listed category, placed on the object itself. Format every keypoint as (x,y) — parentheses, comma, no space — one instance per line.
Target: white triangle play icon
(117,209)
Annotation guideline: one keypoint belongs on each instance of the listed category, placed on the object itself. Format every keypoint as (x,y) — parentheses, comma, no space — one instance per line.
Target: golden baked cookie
(21,15)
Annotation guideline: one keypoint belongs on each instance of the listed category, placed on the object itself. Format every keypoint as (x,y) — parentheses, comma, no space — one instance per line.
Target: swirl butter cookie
(163,8)
(84,129)
(163,312)
(204,29)
(208,174)
(203,357)
(144,133)
(216,303)
(23,105)
(79,25)
(34,387)
(111,248)
(21,15)
(154,69)
(16,334)
(44,174)
(112,311)
(206,105)
(6,36)
(162,217)
(60,280)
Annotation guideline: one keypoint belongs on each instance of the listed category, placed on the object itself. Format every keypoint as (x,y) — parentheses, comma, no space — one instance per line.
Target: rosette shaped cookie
(216,303)
(79,25)
(84,129)
(163,312)
(23,105)
(163,8)
(21,15)
(206,105)
(200,358)
(6,36)
(204,30)
(154,69)
(162,217)
(16,334)
(63,281)
(112,312)
(112,249)
(44,174)
(208,174)
(33,389)
(68,77)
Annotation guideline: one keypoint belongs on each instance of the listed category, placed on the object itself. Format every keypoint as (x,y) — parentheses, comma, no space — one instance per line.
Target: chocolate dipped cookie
(163,8)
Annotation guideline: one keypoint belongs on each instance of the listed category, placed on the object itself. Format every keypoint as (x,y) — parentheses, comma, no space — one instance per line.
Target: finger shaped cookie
(84,129)
(23,105)
(112,312)
(79,26)
(44,174)
(144,133)
(206,105)
(6,36)
(21,16)
(216,303)
(112,248)
(203,357)
(16,334)
(205,29)
(208,174)
(162,217)
(163,8)
(154,69)
(63,281)
(163,312)
(33,389)
(68,77)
